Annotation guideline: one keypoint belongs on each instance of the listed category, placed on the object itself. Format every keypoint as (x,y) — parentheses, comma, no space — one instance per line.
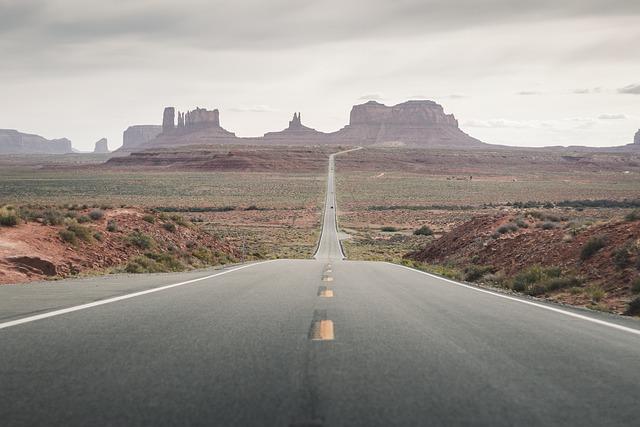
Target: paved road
(252,346)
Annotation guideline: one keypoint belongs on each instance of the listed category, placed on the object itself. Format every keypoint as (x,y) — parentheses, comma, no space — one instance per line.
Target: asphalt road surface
(323,342)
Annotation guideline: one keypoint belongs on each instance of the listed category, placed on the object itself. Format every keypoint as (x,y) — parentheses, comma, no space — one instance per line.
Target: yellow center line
(327,293)
(322,330)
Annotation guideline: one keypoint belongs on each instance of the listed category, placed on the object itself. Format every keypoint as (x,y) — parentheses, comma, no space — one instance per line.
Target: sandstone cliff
(101,147)
(195,127)
(412,123)
(138,135)
(14,142)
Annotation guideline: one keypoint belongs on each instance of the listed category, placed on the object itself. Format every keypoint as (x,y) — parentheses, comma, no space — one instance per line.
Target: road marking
(327,279)
(322,330)
(328,271)
(118,298)
(535,304)
(327,293)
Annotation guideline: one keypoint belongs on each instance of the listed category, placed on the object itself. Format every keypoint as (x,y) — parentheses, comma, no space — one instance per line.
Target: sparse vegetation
(425,230)
(112,226)
(634,307)
(621,256)
(96,214)
(53,217)
(474,273)
(149,218)
(633,215)
(140,240)
(154,263)
(635,285)
(537,280)
(592,246)
(169,226)
(507,228)
(595,293)
(389,229)
(83,233)
(9,216)
(68,236)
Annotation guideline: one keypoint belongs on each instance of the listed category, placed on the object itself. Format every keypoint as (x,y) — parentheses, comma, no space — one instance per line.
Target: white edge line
(119,298)
(535,304)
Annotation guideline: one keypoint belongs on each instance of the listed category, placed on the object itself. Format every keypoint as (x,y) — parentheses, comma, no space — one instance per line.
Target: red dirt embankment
(33,251)
(506,249)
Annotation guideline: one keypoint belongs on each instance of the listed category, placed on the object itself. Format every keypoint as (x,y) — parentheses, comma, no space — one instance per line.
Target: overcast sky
(518,72)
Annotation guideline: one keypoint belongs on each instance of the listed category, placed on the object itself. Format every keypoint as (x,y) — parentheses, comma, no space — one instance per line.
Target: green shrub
(81,232)
(507,228)
(154,263)
(635,285)
(140,240)
(634,307)
(522,223)
(536,280)
(388,229)
(592,246)
(179,219)
(168,262)
(548,225)
(9,216)
(423,231)
(204,254)
(83,219)
(633,215)
(169,226)
(476,272)
(595,292)
(98,236)
(112,226)
(149,218)
(96,214)
(68,236)
(52,217)
(621,256)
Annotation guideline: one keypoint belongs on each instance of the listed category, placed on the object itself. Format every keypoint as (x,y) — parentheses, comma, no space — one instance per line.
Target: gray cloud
(40,26)
(612,116)
(633,89)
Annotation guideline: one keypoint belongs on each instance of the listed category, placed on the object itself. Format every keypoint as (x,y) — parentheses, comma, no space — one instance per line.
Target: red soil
(33,251)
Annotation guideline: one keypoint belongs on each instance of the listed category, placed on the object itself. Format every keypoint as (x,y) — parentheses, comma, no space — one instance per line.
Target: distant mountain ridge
(412,123)
(14,142)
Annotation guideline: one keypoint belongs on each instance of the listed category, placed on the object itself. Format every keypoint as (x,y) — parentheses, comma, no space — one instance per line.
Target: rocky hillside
(544,254)
(14,142)
(55,242)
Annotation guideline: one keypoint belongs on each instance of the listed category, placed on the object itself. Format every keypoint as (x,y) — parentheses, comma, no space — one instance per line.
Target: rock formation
(200,118)
(636,139)
(296,133)
(195,127)
(168,119)
(14,142)
(412,123)
(139,135)
(101,147)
